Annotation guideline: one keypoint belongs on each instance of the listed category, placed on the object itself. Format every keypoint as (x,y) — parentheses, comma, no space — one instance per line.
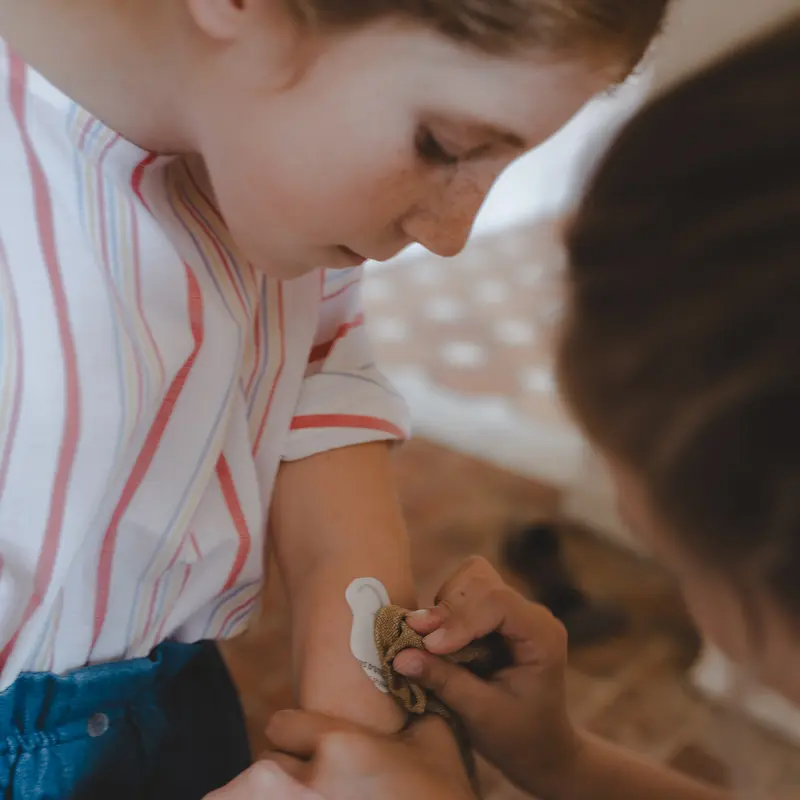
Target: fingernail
(420,615)
(411,666)
(434,639)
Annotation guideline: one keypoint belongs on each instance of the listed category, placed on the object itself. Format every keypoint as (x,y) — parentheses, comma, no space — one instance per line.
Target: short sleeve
(345,400)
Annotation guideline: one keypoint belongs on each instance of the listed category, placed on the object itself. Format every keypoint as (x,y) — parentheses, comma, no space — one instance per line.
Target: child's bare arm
(335,518)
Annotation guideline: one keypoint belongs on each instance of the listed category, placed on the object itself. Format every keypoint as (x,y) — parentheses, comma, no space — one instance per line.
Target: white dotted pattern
(515,332)
(478,324)
(443,309)
(538,380)
(389,329)
(464,354)
(491,291)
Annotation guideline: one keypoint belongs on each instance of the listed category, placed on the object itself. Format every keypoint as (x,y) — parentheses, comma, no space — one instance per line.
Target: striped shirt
(151,383)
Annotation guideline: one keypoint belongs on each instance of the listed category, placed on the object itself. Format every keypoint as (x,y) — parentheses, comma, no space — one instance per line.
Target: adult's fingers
(533,633)
(475,569)
(300,733)
(264,781)
(453,611)
(463,625)
(296,769)
(467,695)
(426,620)
(536,637)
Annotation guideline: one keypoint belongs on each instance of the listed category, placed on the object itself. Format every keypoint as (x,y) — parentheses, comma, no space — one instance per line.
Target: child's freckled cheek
(399,193)
(434,208)
(453,206)
(467,198)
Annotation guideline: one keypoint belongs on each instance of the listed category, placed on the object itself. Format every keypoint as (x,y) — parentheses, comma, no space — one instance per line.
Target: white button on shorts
(97,725)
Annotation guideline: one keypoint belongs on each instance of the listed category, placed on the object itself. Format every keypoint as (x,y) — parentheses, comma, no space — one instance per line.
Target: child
(681,358)
(175,365)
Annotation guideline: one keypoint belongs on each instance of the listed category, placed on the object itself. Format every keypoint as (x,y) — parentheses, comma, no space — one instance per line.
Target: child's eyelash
(432,151)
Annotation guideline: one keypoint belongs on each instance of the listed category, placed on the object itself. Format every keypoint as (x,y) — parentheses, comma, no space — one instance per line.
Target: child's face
(714,602)
(390,135)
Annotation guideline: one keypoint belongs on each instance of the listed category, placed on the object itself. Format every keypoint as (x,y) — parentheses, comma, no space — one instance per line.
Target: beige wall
(700,30)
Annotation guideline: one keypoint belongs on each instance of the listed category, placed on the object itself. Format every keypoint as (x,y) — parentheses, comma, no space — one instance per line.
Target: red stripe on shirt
(234,612)
(204,226)
(157,588)
(111,283)
(145,458)
(16,404)
(87,125)
(187,572)
(69,440)
(263,425)
(321,351)
(138,176)
(101,194)
(239,522)
(311,421)
(341,291)
(136,185)
(257,354)
(208,201)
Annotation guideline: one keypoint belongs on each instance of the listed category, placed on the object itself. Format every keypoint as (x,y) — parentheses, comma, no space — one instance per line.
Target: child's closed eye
(432,151)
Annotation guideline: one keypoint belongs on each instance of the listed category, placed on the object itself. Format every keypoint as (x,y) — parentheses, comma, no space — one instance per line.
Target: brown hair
(622,28)
(681,350)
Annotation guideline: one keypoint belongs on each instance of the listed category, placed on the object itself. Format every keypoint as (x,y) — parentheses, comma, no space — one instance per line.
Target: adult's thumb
(453,685)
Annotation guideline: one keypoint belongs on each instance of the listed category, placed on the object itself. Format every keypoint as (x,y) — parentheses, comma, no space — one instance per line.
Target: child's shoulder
(48,143)
(81,260)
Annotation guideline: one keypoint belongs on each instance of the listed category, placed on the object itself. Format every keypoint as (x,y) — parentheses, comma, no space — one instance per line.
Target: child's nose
(444,228)
(443,238)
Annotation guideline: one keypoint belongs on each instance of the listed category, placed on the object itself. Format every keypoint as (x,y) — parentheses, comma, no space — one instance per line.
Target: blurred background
(497,468)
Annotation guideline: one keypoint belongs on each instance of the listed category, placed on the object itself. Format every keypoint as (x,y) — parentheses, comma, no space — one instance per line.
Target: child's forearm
(336,518)
(601,771)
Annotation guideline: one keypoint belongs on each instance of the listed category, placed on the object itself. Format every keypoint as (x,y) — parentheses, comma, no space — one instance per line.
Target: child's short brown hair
(621,28)
(681,349)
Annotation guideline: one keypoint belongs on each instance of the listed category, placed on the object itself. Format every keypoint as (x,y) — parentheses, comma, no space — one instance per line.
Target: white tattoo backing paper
(366,597)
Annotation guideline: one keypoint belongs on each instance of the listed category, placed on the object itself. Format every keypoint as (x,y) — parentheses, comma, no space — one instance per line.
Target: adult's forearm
(602,771)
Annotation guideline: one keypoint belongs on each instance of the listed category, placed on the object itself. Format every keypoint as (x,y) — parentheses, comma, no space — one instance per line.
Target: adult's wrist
(556,778)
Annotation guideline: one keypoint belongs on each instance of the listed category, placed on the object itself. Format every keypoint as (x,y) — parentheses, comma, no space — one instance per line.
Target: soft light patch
(366,597)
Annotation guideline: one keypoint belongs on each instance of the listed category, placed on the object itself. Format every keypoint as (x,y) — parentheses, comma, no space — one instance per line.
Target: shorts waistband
(41,701)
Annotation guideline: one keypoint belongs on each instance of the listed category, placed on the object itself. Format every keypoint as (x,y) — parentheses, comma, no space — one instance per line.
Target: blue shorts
(168,726)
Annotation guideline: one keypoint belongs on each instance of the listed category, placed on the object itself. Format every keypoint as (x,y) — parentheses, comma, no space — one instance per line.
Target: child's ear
(221,19)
